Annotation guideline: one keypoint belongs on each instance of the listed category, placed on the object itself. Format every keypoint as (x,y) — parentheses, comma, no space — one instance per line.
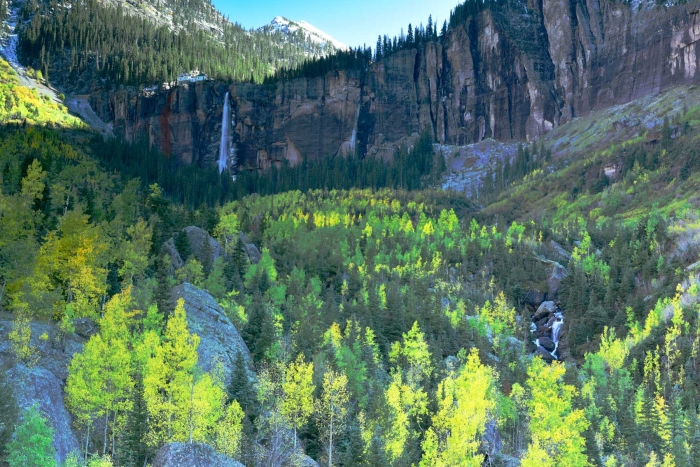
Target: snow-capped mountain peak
(285,25)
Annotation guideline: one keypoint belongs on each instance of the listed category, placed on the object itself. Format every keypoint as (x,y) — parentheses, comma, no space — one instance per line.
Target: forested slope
(388,322)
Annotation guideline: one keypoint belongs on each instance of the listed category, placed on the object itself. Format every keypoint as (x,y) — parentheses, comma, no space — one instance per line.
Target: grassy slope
(576,186)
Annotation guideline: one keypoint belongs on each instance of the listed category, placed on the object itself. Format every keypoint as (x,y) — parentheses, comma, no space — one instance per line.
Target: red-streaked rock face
(508,75)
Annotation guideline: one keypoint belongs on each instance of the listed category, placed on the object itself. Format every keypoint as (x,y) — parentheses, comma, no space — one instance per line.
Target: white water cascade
(353,136)
(225,148)
(556,331)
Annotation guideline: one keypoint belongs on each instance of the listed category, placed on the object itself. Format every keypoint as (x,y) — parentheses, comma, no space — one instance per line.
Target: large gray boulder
(219,339)
(40,386)
(203,244)
(191,455)
(43,383)
(205,248)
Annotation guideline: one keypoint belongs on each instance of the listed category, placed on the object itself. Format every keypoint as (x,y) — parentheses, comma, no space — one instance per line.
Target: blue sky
(353,22)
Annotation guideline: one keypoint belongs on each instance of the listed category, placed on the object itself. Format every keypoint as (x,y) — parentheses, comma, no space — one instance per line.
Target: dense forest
(388,321)
(86,40)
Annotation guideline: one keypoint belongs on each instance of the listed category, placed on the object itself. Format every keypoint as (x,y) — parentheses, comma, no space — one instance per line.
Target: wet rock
(251,250)
(191,455)
(219,339)
(544,355)
(545,309)
(547,344)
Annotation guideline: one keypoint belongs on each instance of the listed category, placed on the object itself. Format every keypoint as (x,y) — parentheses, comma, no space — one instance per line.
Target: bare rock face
(252,252)
(219,339)
(513,72)
(203,244)
(43,383)
(40,386)
(184,121)
(191,455)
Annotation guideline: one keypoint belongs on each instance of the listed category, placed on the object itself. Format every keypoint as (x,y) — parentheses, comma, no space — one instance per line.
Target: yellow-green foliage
(19,104)
(465,401)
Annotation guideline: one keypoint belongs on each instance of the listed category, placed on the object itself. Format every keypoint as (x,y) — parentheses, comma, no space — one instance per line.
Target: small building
(191,77)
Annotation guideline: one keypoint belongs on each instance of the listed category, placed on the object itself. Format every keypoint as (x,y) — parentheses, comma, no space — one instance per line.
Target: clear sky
(354,22)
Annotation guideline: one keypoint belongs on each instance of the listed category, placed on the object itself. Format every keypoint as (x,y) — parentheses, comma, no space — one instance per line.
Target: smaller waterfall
(556,327)
(225,146)
(353,136)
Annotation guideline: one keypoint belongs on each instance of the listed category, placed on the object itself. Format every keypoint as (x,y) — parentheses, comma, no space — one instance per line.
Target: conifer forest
(455,296)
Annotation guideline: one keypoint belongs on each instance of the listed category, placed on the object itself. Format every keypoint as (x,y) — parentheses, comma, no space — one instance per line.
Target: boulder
(176,261)
(451,363)
(302,460)
(534,298)
(219,339)
(203,245)
(251,251)
(542,353)
(547,344)
(43,383)
(545,309)
(41,387)
(559,252)
(191,455)
(557,273)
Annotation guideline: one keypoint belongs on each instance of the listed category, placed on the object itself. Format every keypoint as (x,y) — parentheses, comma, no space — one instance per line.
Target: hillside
(424,258)
(85,45)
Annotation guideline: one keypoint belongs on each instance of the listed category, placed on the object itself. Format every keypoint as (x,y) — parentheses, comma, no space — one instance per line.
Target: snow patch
(282,24)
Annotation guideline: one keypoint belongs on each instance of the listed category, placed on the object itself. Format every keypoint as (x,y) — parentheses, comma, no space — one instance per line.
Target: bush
(31,446)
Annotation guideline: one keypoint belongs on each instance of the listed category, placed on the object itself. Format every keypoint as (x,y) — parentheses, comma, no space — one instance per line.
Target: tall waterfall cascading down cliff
(225,146)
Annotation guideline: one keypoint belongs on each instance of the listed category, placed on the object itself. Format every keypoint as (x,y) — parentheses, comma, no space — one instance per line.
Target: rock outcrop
(205,248)
(43,383)
(510,73)
(219,339)
(191,455)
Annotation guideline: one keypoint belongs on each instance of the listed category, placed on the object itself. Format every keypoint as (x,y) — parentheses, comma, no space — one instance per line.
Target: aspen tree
(298,403)
(331,410)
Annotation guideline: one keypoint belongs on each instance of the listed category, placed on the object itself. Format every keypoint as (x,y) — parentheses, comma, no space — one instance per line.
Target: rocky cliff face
(512,73)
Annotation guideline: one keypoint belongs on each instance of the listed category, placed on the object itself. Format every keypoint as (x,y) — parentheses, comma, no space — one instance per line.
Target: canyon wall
(510,73)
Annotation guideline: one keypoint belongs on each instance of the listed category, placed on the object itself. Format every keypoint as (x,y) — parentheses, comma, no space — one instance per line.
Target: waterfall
(225,146)
(353,136)
(556,327)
